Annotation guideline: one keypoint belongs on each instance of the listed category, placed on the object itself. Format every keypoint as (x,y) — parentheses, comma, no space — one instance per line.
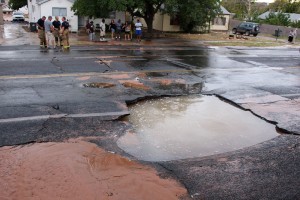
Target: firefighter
(56,24)
(41,32)
(64,32)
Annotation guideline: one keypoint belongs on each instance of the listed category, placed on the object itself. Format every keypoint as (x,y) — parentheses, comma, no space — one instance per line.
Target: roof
(224,11)
(293,16)
(44,1)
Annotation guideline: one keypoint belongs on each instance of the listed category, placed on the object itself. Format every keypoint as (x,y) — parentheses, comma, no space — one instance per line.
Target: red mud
(78,170)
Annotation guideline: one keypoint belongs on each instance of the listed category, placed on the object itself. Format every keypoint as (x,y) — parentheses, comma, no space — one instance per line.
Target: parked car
(18,16)
(247,28)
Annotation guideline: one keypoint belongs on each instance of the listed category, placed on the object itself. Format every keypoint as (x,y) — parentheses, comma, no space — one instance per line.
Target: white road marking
(45,117)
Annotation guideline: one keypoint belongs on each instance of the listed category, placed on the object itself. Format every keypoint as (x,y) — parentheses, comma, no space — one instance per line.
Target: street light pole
(1,12)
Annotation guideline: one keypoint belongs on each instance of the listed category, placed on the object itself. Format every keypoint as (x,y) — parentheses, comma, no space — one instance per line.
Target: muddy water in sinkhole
(185,127)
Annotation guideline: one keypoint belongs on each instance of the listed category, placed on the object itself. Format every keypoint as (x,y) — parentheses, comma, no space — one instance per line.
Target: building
(61,8)
(166,23)
(294,17)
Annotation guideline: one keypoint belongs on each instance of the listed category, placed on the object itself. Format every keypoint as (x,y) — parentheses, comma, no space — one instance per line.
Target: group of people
(116,29)
(53,33)
(90,28)
(292,36)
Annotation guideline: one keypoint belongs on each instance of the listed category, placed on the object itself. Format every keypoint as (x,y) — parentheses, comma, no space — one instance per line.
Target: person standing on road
(127,27)
(138,30)
(48,32)
(118,29)
(90,28)
(102,30)
(41,32)
(112,27)
(64,32)
(56,25)
(291,36)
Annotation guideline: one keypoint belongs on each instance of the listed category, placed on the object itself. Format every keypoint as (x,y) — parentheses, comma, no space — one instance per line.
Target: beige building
(166,23)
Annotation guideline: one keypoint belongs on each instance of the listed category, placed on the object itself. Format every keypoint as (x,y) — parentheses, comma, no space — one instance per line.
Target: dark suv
(247,28)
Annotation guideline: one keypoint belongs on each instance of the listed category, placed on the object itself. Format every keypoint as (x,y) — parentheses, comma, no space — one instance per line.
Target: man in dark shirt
(64,32)
(56,24)
(41,32)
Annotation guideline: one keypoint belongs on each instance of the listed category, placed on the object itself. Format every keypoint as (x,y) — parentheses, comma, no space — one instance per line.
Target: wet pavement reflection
(186,127)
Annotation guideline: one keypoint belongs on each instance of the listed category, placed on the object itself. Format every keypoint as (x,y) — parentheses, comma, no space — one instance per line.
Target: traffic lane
(61,129)
(94,61)
(39,96)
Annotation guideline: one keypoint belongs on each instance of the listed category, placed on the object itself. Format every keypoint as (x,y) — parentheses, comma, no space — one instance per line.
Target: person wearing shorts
(138,30)
(112,27)
(118,29)
(127,27)
(48,31)
(102,30)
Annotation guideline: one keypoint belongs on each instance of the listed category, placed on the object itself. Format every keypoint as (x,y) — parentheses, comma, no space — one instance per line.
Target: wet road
(43,98)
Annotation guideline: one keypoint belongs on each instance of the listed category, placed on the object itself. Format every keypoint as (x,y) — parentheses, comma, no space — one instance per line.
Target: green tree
(17,4)
(146,9)
(137,8)
(286,6)
(236,6)
(193,14)
(280,19)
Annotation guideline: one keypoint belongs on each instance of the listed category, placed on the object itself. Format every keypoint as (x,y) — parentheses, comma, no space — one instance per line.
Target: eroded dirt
(78,170)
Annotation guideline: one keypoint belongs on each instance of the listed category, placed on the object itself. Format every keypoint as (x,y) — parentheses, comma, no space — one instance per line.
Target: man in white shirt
(102,30)
(138,30)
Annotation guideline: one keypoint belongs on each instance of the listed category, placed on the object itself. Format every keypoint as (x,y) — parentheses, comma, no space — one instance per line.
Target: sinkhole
(173,128)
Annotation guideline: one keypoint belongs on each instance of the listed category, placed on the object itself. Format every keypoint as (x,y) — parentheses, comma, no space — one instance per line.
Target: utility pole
(1,12)
(249,4)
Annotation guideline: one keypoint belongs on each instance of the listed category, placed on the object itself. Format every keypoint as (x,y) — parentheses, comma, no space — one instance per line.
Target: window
(219,21)
(174,20)
(59,12)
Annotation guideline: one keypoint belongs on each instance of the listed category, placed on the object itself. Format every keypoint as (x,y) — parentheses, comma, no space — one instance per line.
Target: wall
(119,15)
(34,13)
(46,10)
(221,27)
(162,23)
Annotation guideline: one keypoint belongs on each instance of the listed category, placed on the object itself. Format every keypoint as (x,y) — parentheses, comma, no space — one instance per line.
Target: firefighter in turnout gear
(64,32)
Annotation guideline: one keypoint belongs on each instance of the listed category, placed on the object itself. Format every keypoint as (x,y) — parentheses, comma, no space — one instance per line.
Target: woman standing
(127,27)
(112,27)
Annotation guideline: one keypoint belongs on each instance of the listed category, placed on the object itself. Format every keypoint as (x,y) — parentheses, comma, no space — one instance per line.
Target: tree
(194,13)
(137,8)
(280,19)
(236,6)
(17,4)
(146,9)
(286,6)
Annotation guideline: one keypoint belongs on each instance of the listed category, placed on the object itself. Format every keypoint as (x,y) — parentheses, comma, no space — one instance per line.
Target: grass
(222,39)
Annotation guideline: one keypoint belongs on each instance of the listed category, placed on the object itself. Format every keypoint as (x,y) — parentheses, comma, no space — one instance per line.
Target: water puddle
(186,127)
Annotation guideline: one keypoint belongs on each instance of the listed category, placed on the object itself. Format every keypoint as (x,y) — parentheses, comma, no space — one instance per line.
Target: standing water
(185,127)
